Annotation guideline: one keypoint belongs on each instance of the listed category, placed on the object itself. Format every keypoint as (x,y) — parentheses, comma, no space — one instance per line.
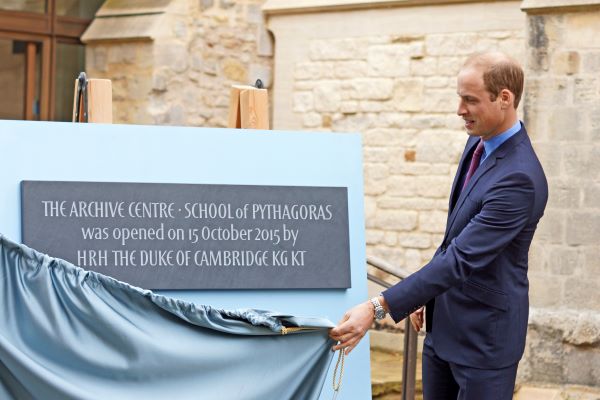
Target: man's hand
(353,326)
(416,319)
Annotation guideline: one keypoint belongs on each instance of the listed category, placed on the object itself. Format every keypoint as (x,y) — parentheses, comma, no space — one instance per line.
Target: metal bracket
(81,95)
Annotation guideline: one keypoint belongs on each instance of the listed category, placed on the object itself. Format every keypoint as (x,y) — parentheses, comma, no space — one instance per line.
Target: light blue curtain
(67,333)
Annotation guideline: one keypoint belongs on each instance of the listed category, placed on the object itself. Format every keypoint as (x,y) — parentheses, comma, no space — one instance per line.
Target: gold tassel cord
(339,364)
(292,329)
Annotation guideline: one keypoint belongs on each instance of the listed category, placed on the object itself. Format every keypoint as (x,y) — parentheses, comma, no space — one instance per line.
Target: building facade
(387,69)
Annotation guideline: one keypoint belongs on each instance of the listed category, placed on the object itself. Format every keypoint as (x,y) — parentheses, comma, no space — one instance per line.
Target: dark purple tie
(474,163)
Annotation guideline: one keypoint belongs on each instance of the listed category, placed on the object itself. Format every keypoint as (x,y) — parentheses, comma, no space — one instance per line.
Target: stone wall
(175,63)
(129,66)
(399,91)
(396,85)
(562,108)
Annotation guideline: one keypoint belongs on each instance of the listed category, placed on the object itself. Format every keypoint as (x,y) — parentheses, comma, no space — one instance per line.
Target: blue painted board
(132,153)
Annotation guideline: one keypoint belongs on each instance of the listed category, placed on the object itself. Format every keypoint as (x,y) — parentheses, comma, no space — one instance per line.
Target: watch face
(379,313)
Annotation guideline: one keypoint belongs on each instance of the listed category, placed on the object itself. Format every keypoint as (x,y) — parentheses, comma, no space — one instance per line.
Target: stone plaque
(193,236)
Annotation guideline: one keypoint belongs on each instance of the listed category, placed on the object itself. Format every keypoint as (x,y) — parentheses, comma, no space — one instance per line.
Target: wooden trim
(25,22)
(42,24)
(29,79)
(47,80)
(281,7)
(52,73)
(51,64)
(21,36)
(51,5)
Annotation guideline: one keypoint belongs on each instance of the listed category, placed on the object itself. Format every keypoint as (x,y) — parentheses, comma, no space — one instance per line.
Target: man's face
(483,117)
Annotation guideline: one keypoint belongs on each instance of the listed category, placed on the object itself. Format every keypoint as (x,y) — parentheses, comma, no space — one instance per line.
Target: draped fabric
(67,333)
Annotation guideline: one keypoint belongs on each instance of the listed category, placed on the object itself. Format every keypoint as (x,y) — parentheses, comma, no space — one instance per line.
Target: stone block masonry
(400,92)
(560,97)
(183,74)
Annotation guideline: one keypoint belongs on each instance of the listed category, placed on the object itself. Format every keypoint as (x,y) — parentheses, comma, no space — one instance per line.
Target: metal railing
(409,357)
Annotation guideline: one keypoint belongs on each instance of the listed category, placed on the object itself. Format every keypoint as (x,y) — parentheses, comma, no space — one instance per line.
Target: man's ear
(507,99)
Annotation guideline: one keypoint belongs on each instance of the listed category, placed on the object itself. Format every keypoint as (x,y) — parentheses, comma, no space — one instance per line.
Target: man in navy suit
(475,288)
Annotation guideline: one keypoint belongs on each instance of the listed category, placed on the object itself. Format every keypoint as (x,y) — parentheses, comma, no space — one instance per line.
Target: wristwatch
(379,310)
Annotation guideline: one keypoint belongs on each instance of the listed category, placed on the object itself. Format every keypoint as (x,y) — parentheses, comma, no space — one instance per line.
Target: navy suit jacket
(476,286)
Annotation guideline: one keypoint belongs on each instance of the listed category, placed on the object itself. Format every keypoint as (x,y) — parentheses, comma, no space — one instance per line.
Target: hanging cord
(339,364)
(337,383)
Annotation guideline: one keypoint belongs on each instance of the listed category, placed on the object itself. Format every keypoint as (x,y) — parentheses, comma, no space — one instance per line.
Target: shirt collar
(495,142)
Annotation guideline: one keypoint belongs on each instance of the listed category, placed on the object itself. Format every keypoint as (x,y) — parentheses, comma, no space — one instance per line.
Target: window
(41,56)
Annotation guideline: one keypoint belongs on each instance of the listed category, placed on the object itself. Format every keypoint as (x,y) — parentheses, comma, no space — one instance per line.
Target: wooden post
(99,101)
(248,108)
(235,119)
(29,79)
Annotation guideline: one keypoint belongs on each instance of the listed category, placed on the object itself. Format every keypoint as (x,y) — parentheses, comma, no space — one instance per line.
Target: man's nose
(461,110)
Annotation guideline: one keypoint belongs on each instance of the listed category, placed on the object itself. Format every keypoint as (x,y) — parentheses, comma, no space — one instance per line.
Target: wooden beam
(29,79)
(100,101)
(46,96)
(25,22)
(235,119)
(254,109)
(248,108)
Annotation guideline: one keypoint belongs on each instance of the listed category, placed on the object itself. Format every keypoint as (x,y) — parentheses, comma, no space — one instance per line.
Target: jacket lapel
(487,164)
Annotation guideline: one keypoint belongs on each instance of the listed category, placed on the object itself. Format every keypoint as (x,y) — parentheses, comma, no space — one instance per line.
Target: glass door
(20,78)
(41,56)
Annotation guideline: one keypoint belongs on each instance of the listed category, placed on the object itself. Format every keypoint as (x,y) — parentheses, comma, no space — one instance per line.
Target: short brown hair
(499,72)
